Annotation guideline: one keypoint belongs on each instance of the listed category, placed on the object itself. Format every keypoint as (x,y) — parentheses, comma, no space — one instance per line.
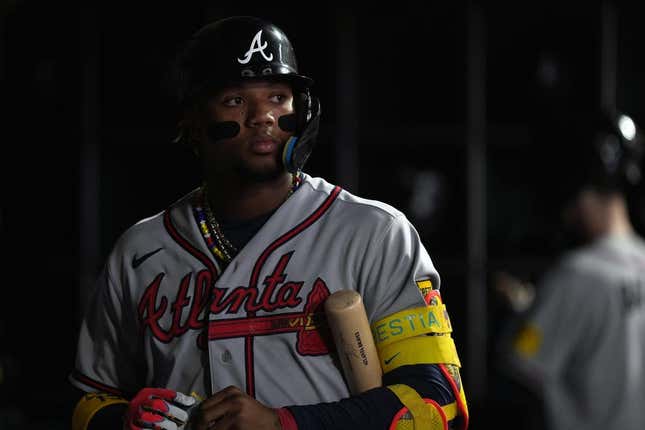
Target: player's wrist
(286,418)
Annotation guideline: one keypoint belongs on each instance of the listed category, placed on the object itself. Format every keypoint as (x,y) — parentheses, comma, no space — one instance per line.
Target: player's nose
(260,115)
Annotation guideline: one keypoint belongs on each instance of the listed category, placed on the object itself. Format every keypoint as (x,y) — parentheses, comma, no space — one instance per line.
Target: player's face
(256,152)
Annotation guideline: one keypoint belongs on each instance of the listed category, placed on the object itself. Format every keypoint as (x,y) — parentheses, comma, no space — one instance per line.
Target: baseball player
(209,314)
(580,346)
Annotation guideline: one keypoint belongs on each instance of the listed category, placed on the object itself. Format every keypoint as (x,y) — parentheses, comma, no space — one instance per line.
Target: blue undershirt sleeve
(375,409)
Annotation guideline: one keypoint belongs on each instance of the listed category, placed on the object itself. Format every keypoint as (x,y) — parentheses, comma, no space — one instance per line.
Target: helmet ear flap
(299,147)
(302,105)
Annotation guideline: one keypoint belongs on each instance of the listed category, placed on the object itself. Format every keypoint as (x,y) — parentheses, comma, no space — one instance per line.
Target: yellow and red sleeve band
(89,405)
(419,413)
(454,379)
(418,350)
(430,319)
(421,335)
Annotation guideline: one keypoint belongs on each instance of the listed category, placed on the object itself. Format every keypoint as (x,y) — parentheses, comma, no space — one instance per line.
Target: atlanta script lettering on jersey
(278,293)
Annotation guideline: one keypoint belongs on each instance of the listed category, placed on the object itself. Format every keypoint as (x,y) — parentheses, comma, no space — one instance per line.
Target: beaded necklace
(211,230)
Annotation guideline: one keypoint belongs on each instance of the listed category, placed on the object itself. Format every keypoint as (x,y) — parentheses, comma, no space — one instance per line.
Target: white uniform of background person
(581,344)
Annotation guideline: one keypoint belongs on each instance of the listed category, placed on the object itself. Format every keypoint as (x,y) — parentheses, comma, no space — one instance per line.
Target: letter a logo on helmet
(256,46)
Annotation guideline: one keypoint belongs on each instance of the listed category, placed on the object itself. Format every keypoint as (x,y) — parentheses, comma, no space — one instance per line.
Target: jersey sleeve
(396,268)
(106,357)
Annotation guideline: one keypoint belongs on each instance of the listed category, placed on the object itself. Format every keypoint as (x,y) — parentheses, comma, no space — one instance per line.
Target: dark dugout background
(453,114)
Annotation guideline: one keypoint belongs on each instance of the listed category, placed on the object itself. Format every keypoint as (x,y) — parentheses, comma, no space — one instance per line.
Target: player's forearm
(371,410)
(376,408)
(149,408)
(108,418)
(104,415)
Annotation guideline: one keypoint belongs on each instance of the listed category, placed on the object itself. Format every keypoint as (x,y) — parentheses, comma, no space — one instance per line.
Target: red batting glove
(158,408)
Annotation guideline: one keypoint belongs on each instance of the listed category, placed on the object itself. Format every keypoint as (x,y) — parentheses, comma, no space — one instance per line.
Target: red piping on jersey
(172,231)
(253,283)
(95,384)
(460,401)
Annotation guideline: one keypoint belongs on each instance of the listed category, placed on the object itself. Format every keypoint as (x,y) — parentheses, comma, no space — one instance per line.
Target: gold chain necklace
(227,249)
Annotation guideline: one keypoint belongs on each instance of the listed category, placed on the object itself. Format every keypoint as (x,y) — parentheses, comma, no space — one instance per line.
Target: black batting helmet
(616,155)
(604,150)
(242,48)
(234,49)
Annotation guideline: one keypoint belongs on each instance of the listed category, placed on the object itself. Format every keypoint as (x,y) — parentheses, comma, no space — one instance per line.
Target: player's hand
(517,294)
(158,408)
(232,409)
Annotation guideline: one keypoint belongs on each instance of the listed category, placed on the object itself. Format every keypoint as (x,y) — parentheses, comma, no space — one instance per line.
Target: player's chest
(275,290)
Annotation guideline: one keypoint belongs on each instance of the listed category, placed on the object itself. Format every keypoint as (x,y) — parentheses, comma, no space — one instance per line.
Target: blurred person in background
(577,337)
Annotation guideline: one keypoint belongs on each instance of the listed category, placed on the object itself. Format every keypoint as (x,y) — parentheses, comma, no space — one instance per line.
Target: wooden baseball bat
(350,329)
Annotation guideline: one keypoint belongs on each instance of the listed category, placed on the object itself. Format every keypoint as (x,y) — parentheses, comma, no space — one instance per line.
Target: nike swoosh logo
(388,360)
(136,262)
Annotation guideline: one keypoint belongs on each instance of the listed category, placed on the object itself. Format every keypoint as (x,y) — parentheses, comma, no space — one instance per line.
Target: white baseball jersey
(583,343)
(164,313)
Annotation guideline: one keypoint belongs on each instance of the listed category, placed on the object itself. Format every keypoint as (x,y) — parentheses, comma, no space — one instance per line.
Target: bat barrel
(354,342)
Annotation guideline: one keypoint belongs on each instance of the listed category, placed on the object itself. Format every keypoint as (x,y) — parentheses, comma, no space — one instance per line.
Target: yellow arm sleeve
(89,405)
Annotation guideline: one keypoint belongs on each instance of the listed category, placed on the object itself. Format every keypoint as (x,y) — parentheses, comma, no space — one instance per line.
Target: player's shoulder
(604,261)
(603,253)
(583,261)
(350,203)
(150,231)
